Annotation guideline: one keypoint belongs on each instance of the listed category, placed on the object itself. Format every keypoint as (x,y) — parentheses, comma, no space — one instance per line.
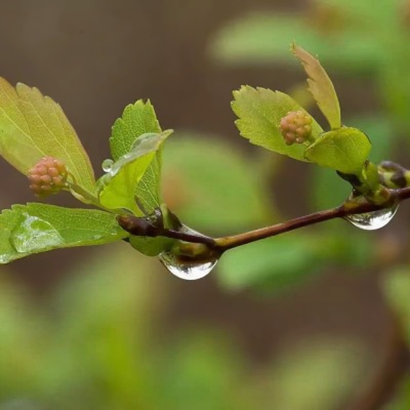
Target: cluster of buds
(47,177)
(296,127)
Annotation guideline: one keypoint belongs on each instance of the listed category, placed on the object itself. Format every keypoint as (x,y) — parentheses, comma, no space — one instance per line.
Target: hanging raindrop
(371,221)
(107,165)
(186,268)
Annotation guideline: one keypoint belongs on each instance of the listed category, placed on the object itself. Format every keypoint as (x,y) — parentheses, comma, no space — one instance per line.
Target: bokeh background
(293,323)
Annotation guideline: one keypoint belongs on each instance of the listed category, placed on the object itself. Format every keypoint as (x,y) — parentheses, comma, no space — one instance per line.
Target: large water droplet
(188,269)
(371,221)
(107,165)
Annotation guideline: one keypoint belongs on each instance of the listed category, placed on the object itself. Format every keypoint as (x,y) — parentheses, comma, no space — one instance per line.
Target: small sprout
(48,176)
(296,127)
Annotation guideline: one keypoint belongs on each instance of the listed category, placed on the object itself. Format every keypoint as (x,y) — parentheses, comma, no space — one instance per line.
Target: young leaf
(33,126)
(34,228)
(344,150)
(320,86)
(137,119)
(260,111)
(119,186)
(148,189)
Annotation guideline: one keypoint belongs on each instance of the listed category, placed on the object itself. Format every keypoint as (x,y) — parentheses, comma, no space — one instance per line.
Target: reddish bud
(296,127)
(47,177)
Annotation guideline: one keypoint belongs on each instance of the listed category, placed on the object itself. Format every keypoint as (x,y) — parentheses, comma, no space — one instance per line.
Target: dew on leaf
(187,269)
(6,258)
(34,233)
(107,165)
(371,221)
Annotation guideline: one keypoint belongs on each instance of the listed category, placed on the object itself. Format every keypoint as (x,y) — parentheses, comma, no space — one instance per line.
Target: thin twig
(132,224)
(396,362)
(190,237)
(348,208)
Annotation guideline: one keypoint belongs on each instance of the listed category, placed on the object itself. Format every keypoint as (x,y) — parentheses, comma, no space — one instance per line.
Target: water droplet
(187,269)
(371,221)
(33,234)
(107,165)
(6,258)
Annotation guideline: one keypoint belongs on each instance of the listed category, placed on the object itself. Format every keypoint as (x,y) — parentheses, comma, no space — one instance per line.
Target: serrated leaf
(260,111)
(118,187)
(320,86)
(345,150)
(34,228)
(33,126)
(137,119)
(148,189)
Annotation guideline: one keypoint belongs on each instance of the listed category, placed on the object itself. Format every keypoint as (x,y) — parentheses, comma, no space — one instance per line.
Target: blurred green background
(295,322)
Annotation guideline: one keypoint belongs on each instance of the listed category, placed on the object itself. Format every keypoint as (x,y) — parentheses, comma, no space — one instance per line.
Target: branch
(347,208)
(144,227)
(396,361)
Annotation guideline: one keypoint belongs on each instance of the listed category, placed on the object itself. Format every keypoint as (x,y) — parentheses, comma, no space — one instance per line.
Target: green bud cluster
(296,127)
(47,177)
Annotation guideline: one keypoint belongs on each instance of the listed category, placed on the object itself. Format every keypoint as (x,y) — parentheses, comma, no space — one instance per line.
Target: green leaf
(33,126)
(210,185)
(381,130)
(345,150)
(33,228)
(137,119)
(320,86)
(148,189)
(118,187)
(260,111)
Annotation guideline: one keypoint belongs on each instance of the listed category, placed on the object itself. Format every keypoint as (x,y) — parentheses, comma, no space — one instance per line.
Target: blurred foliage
(213,186)
(396,285)
(96,345)
(344,34)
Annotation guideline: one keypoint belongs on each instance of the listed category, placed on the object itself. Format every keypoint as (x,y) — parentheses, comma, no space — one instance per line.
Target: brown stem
(391,371)
(229,242)
(189,237)
(132,224)
(348,208)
